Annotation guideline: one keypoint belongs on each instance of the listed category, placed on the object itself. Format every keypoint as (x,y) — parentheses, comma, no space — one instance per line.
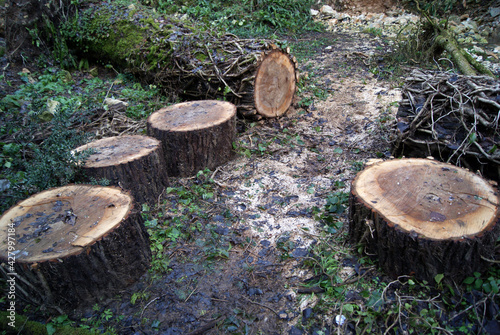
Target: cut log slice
(133,162)
(73,245)
(421,217)
(274,84)
(195,135)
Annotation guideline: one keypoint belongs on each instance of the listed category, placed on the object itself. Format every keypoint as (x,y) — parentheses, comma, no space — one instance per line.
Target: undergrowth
(47,117)
(188,213)
(246,18)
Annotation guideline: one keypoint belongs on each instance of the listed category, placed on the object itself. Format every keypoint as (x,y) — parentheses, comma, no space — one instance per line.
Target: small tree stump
(421,217)
(133,162)
(195,135)
(274,84)
(73,245)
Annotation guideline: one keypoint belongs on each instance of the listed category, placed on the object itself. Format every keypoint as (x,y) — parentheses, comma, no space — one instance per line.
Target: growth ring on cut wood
(424,218)
(196,135)
(74,244)
(133,162)
(274,84)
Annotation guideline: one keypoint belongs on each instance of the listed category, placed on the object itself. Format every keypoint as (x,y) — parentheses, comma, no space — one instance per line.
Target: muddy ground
(264,212)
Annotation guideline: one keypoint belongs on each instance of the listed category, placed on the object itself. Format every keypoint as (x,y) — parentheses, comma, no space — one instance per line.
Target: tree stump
(195,135)
(421,217)
(133,162)
(73,245)
(274,84)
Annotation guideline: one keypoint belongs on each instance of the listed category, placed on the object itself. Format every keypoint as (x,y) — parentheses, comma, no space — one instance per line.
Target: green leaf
(438,278)
(469,280)
(338,150)
(348,308)
(376,301)
(472,138)
(134,297)
(51,329)
(478,284)
(494,286)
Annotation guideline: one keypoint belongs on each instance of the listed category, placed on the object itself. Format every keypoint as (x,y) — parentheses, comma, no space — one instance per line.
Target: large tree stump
(274,84)
(73,245)
(421,217)
(133,162)
(195,135)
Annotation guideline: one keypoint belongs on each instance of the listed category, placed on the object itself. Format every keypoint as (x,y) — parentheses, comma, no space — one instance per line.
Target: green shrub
(245,18)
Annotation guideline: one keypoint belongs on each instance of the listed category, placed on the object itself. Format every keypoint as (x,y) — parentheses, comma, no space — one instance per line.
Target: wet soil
(264,216)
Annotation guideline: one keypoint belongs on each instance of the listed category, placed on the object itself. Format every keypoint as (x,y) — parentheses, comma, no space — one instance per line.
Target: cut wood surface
(195,135)
(274,84)
(424,217)
(74,244)
(133,162)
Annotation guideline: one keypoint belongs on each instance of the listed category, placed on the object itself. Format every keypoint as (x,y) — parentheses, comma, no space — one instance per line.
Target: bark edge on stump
(73,245)
(422,217)
(133,162)
(196,135)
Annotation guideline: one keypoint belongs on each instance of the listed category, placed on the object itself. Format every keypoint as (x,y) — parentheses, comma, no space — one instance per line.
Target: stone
(471,24)
(495,11)
(4,184)
(477,50)
(314,12)
(480,39)
(333,22)
(454,19)
(327,10)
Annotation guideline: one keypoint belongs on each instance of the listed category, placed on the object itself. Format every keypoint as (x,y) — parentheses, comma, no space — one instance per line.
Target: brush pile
(451,117)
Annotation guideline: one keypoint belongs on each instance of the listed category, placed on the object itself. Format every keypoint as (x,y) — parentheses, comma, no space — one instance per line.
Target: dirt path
(266,200)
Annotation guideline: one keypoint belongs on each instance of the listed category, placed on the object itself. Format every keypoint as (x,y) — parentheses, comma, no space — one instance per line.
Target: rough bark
(74,245)
(423,218)
(195,135)
(132,162)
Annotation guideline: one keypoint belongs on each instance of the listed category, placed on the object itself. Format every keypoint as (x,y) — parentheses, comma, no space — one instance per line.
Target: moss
(25,326)
(151,22)
(124,38)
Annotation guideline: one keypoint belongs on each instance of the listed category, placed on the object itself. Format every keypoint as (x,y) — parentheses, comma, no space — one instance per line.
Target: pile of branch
(451,117)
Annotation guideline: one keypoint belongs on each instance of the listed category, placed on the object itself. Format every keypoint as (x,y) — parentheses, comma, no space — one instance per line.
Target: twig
(258,303)
(147,305)
(206,327)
